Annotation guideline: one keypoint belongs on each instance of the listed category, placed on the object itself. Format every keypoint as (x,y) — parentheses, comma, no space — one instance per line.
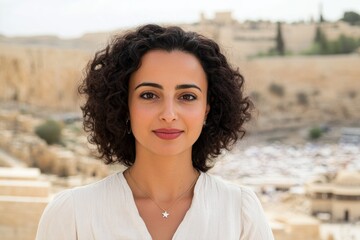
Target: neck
(163,178)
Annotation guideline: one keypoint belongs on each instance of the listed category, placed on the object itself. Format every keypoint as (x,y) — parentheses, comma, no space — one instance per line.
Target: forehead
(170,58)
(169,67)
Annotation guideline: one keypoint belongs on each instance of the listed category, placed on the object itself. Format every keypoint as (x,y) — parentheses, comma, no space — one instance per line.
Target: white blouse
(106,210)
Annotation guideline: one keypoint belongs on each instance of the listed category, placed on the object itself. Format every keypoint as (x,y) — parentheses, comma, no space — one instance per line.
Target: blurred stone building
(339,197)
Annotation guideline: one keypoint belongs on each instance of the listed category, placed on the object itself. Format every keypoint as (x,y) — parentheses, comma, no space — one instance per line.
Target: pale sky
(72,18)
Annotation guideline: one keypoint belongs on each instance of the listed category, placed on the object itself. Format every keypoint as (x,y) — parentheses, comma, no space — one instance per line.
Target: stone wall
(250,38)
(294,226)
(321,205)
(339,207)
(22,201)
(48,76)
(41,76)
(330,84)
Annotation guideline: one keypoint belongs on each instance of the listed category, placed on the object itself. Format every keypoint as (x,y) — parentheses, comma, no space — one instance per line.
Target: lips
(168,134)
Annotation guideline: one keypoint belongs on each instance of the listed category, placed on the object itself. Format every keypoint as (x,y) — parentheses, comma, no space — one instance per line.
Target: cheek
(140,113)
(141,119)
(195,116)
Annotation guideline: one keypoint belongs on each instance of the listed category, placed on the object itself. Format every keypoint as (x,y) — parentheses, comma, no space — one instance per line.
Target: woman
(163,102)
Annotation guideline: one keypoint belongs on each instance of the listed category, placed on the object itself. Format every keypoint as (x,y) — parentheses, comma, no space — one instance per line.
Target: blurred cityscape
(301,153)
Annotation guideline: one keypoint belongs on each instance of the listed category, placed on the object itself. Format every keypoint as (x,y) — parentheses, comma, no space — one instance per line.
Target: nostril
(169,113)
(169,118)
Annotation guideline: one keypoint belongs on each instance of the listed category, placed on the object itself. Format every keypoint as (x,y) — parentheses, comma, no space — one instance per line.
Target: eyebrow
(185,86)
(149,84)
(155,85)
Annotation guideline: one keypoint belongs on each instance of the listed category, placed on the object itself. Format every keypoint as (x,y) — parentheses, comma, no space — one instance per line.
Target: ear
(207,110)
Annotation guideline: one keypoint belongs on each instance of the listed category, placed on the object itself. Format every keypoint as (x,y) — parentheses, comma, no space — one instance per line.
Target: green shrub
(272,52)
(302,98)
(352,94)
(322,46)
(277,89)
(255,96)
(50,131)
(315,133)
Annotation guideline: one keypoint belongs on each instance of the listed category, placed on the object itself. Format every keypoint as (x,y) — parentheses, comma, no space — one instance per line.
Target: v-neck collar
(134,212)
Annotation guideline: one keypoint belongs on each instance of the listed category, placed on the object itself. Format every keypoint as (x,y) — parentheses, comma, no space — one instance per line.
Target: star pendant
(165,214)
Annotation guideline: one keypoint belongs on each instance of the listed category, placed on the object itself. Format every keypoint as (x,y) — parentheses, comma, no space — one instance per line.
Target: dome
(351,178)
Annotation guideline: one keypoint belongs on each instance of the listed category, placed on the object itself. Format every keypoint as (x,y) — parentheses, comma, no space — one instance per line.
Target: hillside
(315,89)
(45,71)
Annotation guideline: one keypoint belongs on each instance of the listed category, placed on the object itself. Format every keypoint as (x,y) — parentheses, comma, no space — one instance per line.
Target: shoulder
(246,194)
(242,196)
(222,186)
(254,222)
(220,192)
(97,189)
(243,201)
(62,201)
(60,215)
(58,220)
(67,198)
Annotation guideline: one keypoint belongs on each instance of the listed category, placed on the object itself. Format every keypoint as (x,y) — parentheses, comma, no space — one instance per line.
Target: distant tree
(342,45)
(345,44)
(280,44)
(352,18)
(320,40)
(318,34)
(321,16)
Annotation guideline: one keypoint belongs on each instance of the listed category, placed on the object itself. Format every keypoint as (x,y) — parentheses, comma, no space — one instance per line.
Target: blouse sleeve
(255,225)
(58,219)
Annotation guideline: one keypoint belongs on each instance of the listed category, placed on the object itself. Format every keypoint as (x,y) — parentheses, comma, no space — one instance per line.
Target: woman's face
(167,102)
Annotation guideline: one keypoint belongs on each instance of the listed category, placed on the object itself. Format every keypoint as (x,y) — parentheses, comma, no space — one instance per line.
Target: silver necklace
(165,212)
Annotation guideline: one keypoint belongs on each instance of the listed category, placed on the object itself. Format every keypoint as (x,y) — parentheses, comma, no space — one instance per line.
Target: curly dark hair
(106,82)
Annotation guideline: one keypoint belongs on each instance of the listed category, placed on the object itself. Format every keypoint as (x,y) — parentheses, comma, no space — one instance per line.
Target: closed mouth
(168,134)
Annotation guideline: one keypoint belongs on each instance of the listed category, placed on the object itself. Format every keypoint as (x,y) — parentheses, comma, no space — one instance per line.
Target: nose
(168,113)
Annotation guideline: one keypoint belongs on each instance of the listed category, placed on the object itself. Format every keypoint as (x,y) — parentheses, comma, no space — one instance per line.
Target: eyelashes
(188,97)
(148,95)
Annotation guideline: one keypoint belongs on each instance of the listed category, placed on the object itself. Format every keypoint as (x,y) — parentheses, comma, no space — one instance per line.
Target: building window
(347,198)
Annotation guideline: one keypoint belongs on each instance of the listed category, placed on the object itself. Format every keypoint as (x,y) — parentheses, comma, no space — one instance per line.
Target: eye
(188,97)
(148,95)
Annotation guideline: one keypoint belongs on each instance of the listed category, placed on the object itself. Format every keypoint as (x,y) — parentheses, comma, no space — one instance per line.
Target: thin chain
(165,211)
